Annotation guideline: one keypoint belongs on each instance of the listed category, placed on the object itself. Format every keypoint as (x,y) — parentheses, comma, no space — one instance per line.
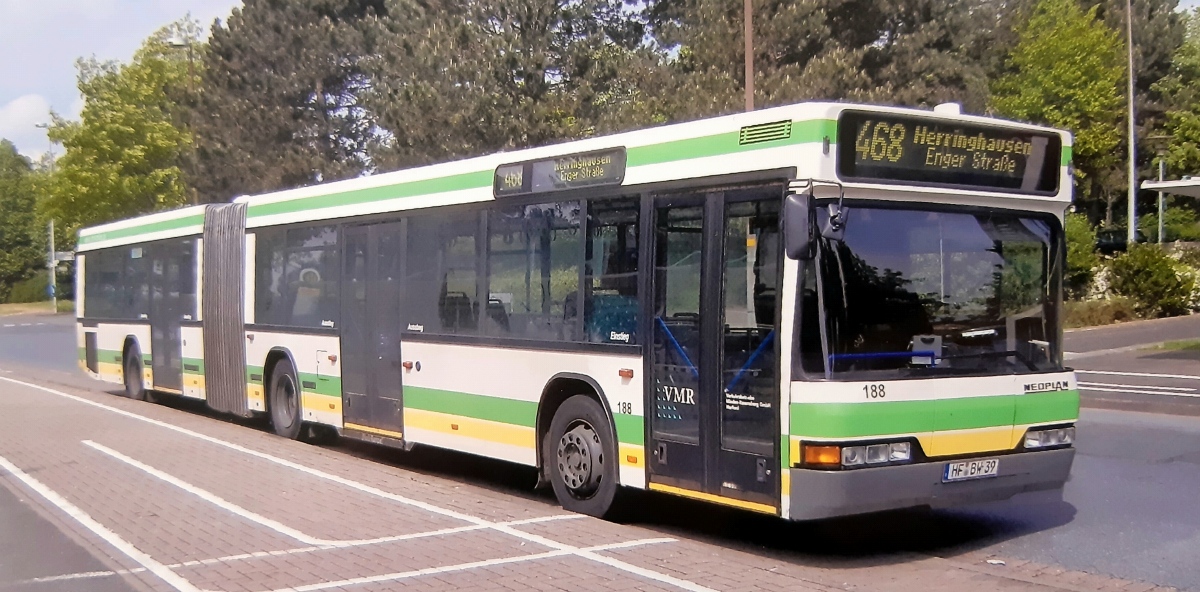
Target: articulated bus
(807,311)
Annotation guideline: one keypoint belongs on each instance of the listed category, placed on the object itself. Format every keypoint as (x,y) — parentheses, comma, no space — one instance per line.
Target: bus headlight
(1048,438)
(851,457)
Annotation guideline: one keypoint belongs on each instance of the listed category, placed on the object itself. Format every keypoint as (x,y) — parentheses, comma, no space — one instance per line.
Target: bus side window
(441,294)
(611,272)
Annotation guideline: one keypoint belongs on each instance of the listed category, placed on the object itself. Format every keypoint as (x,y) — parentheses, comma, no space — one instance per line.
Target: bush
(1091,313)
(1179,223)
(29,290)
(1158,285)
(1082,259)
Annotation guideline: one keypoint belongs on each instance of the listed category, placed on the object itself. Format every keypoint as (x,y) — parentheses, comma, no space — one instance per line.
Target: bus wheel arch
(574,421)
(279,372)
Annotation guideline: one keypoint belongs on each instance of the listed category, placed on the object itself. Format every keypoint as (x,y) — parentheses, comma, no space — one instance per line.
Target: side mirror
(797,226)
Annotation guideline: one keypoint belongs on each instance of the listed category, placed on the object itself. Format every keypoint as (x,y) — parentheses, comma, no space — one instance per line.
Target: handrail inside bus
(678,348)
(750,362)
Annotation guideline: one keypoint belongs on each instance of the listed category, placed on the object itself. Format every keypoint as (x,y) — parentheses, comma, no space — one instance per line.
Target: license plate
(971,469)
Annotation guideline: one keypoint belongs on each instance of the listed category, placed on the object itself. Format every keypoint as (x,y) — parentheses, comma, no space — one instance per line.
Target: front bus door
(713,360)
(371,364)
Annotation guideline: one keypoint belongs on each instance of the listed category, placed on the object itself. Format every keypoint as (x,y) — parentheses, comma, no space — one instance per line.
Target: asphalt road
(1127,512)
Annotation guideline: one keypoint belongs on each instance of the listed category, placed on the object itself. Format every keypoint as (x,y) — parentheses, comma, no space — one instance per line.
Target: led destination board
(605,167)
(901,149)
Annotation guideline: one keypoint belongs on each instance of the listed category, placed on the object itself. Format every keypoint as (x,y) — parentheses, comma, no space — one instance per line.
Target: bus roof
(769,139)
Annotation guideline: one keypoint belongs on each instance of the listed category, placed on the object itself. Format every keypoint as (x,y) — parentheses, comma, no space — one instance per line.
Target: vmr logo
(1045,387)
(679,395)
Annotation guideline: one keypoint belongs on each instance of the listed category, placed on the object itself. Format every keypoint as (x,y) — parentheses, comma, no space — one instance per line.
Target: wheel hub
(580,460)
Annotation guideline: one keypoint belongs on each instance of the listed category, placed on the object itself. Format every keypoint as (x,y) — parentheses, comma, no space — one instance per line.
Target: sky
(41,39)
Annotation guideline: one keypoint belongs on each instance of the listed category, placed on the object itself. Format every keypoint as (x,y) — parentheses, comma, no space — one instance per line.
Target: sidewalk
(1091,341)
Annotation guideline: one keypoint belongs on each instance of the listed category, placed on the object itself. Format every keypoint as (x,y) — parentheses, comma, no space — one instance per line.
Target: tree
(1082,259)
(458,79)
(22,243)
(1066,71)
(280,107)
(1181,89)
(123,157)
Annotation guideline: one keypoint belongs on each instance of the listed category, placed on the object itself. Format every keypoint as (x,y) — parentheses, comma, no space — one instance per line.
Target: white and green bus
(807,311)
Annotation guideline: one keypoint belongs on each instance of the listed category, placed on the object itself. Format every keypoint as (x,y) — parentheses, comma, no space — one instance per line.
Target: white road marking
(170,577)
(7,325)
(392,577)
(1139,374)
(262,554)
(1141,386)
(1136,391)
(349,483)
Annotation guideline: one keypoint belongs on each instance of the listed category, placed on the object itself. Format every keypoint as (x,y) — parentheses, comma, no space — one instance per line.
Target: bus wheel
(135,388)
(285,401)
(581,458)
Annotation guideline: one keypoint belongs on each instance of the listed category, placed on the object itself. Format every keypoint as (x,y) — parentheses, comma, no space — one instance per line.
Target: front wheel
(580,458)
(284,401)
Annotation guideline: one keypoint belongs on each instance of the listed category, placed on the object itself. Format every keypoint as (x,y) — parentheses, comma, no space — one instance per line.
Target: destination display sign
(603,167)
(887,148)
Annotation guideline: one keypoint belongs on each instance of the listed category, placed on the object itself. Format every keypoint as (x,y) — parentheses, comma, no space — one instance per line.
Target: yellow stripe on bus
(320,403)
(957,442)
(716,499)
(632,455)
(376,431)
(467,427)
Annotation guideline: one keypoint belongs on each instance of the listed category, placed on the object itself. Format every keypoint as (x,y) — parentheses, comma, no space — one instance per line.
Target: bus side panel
(192,339)
(318,370)
(483,399)
(110,344)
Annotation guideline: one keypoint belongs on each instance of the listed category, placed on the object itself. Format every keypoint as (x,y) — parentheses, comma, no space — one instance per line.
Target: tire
(580,457)
(135,386)
(284,401)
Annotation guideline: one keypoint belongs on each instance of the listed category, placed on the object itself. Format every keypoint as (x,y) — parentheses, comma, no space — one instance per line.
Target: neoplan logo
(1045,387)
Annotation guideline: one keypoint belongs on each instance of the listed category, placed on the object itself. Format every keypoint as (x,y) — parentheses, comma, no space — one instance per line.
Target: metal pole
(1132,234)
(51,263)
(748,17)
(1162,171)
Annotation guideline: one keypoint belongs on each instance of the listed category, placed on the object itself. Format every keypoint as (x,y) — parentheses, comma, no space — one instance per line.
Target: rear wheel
(285,401)
(135,387)
(580,457)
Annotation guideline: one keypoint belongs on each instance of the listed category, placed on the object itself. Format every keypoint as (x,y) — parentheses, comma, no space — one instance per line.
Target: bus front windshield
(928,293)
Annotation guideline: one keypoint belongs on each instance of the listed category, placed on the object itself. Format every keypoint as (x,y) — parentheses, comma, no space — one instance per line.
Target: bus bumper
(825,494)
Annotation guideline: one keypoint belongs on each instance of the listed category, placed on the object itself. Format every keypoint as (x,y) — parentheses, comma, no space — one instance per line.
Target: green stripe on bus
(193,366)
(728,143)
(193,220)
(630,429)
(330,386)
(847,420)
(1066,156)
(474,180)
(519,413)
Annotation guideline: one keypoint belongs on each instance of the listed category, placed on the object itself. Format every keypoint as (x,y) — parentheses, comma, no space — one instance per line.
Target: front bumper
(825,494)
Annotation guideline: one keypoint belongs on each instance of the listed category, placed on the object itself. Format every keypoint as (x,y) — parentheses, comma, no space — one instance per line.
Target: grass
(64,307)
(1183,345)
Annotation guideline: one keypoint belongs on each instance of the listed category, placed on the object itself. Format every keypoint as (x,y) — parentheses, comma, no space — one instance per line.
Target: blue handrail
(678,348)
(883,355)
(754,356)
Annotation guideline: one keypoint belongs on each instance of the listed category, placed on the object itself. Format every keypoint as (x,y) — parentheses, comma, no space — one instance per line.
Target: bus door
(172,298)
(713,359)
(371,364)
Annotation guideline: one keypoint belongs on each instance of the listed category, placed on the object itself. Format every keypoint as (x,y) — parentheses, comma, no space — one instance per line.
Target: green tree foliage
(1179,223)
(22,241)
(911,52)
(1066,71)
(280,103)
(1147,275)
(1082,259)
(1181,87)
(451,80)
(123,157)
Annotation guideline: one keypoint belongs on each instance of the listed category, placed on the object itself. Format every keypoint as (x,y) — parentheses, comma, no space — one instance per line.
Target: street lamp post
(1132,213)
(49,142)
(748,17)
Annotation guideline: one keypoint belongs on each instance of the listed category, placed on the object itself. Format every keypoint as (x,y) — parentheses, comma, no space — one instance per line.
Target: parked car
(1113,240)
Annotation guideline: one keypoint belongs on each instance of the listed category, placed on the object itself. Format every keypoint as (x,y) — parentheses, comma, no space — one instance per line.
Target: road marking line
(265,554)
(392,577)
(7,325)
(170,577)
(1142,386)
(1138,392)
(1140,374)
(431,508)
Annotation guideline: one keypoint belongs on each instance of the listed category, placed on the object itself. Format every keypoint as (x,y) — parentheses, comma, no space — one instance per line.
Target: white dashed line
(1085,385)
(559,548)
(1139,374)
(170,577)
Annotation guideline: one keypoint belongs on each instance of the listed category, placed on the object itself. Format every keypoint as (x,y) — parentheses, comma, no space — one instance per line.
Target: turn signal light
(625,372)
(822,455)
